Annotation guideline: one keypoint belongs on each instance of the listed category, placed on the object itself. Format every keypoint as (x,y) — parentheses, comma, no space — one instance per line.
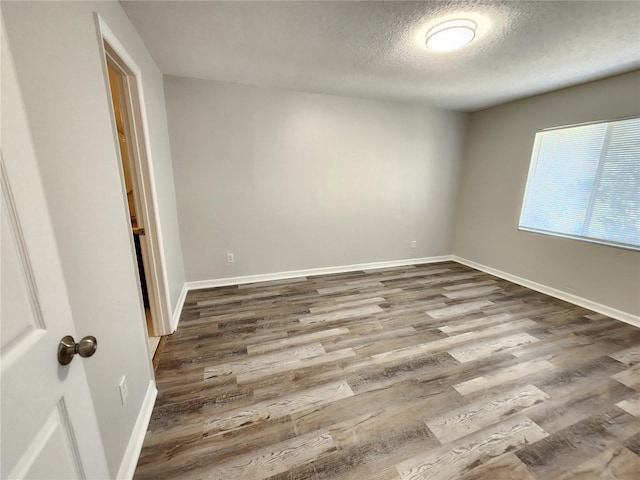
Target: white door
(49,428)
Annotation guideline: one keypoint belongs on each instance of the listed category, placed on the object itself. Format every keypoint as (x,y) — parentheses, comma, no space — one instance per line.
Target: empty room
(320,240)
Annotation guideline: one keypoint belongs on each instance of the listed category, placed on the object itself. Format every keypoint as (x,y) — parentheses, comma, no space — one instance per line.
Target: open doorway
(117,79)
(121,83)
(131,136)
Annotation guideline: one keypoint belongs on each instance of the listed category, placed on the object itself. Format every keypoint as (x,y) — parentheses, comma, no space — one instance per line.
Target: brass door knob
(68,347)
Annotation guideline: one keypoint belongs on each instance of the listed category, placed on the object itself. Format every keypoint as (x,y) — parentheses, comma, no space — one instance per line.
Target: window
(584,183)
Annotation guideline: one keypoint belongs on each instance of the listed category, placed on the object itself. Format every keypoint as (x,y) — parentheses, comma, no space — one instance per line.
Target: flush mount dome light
(451,35)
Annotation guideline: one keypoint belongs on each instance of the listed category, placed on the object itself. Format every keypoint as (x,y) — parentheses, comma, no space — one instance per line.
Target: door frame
(142,175)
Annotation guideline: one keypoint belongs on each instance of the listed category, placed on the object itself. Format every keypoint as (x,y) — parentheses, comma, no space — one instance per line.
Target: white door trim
(143,177)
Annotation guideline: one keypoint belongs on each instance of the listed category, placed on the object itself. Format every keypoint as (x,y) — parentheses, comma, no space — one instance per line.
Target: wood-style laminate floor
(429,372)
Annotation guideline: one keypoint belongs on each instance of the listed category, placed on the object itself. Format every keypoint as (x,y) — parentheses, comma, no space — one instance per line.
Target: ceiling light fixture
(451,35)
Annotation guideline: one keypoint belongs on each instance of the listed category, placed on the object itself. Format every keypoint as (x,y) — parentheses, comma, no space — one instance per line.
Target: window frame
(532,166)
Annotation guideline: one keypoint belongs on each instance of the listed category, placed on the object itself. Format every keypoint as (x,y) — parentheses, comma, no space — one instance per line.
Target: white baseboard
(178,310)
(554,292)
(267,277)
(566,296)
(132,453)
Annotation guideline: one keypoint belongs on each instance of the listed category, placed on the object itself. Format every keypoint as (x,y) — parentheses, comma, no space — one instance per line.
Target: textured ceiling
(376,49)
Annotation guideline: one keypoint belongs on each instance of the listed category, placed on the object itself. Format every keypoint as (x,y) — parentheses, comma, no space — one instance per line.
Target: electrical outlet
(229,257)
(413,244)
(124,389)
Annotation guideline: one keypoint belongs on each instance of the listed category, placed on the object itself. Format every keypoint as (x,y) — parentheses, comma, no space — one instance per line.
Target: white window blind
(584,183)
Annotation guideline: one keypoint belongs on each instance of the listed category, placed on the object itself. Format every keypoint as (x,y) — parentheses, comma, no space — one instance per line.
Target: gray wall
(288,180)
(494,175)
(56,50)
